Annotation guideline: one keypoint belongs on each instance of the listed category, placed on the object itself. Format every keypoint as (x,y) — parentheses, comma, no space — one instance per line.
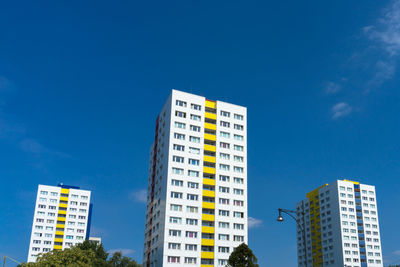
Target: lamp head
(280,218)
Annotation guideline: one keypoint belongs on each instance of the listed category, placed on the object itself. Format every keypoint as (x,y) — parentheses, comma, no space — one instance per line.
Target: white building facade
(197,195)
(61,219)
(341,226)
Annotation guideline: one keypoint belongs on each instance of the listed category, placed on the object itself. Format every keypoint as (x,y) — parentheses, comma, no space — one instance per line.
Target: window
(237,214)
(180,125)
(238,148)
(195,162)
(224,156)
(224,178)
(191,234)
(223,225)
(190,260)
(176,182)
(238,127)
(180,114)
(176,195)
(237,180)
(192,197)
(224,145)
(193,185)
(191,247)
(238,226)
(225,113)
(238,158)
(195,128)
(238,117)
(179,147)
(224,167)
(44,193)
(174,259)
(177,171)
(179,136)
(195,117)
(238,169)
(223,237)
(224,189)
(175,220)
(224,201)
(178,159)
(223,213)
(174,246)
(239,203)
(194,139)
(238,238)
(223,249)
(54,194)
(193,173)
(224,124)
(225,134)
(194,150)
(191,221)
(175,233)
(192,209)
(238,137)
(195,107)
(181,103)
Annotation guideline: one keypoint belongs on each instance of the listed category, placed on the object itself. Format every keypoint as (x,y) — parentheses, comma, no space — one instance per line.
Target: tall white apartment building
(341,226)
(197,190)
(61,219)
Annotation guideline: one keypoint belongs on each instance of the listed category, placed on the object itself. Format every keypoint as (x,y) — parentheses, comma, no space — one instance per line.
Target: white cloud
(253,222)
(397,252)
(139,196)
(387,30)
(124,251)
(332,88)
(341,110)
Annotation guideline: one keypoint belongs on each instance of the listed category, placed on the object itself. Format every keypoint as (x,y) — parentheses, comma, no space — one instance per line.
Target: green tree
(72,257)
(242,256)
(86,254)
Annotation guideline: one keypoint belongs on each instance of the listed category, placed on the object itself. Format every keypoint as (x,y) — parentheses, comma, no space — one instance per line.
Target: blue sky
(81,83)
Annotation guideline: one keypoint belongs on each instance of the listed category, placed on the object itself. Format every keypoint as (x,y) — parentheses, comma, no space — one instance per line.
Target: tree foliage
(86,254)
(242,256)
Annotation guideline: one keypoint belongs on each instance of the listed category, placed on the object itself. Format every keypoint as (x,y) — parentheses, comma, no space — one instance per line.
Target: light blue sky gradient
(81,84)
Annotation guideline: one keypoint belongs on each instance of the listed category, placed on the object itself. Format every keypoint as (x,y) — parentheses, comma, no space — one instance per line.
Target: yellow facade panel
(209,159)
(208,181)
(207,242)
(64,191)
(207,255)
(209,205)
(59,233)
(211,104)
(58,240)
(62,205)
(57,247)
(61,219)
(211,116)
(62,212)
(60,226)
(208,229)
(208,193)
(210,126)
(210,148)
(207,265)
(208,217)
(63,198)
(210,137)
(208,170)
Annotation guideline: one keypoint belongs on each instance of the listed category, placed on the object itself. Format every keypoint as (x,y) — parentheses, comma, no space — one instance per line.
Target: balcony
(57,247)
(59,233)
(62,205)
(210,137)
(211,104)
(59,240)
(63,198)
(64,191)
(64,212)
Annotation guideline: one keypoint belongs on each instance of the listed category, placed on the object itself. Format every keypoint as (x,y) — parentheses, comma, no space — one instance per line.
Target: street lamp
(293,214)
